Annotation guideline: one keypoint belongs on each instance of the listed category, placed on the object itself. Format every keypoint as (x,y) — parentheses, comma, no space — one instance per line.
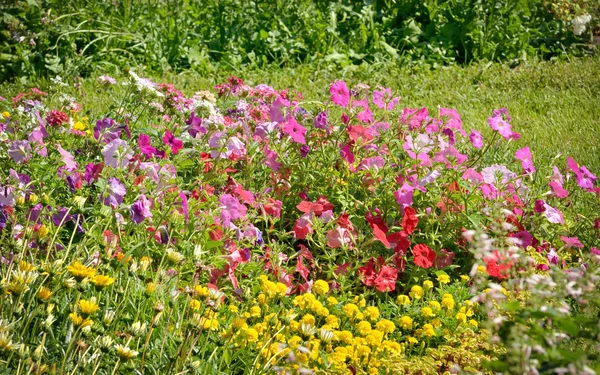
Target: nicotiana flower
(115,191)
(117,153)
(20,151)
(140,209)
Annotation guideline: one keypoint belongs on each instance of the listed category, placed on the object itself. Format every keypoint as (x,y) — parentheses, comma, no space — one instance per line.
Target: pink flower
(476,139)
(170,140)
(524,155)
(380,98)
(117,153)
(303,226)
(503,127)
(553,215)
(558,190)
(454,121)
(67,158)
(145,145)
(140,209)
(404,195)
(338,237)
(571,242)
(472,176)
(271,159)
(340,94)
(451,157)
(295,131)
(231,209)
(415,118)
(585,178)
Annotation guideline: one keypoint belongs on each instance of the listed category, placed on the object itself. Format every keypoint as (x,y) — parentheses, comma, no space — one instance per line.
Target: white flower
(579,23)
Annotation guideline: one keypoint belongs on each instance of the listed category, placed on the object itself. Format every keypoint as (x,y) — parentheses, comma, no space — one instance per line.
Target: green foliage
(42,37)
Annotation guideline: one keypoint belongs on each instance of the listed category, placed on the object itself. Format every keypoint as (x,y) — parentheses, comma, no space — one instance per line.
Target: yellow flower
(320,287)
(79,321)
(461,317)
(26,267)
(403,299)
(44,293)
(436,323)
(412,341)
(435,305)
(427,284)
(150,287)
(465,278)
(481,269)
(80,272)
(448,301)
(33,198)
(406,322)
(385,326)
(88,307)
(233,309)
(372,312)
(416,292)
(43,231)
(281,289)
(350,310)
(201,290)
(308,319)
(251,335)
(427,312)
(428,330)
(5,114)
(443,279)
(363,328)
(125,353)
(332,321)
(332,301)
(473,323)
(195,304)
(102,281)
(255,311)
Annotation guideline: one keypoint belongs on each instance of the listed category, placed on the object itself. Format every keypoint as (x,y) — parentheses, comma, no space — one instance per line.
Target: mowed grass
(554,105)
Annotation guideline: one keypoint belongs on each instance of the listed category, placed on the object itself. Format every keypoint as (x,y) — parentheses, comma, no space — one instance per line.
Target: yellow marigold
(443,279)
(465,278)
(350,310)
(385,326)
(332,321)
(416,292)
(392,346)
(255,311)
(427,284)
(322,311)
(343,336)
(428,330)
(436,323)
(481,269)
(102,281)
(332,301)
(308,319)
(195,304)
(233,309)
(80,272)
(435,305)
(44,293)
(79,321)
(320,287)
(363,328)
(88,307)
(427,312)
(461,317)
(281,289)
(372,312)
(406,322)
(374,338)
(294,341)
(412,341)
(403,299)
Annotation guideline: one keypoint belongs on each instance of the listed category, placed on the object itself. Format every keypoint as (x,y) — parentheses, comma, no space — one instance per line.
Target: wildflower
(88,308)
(435,305)
(427,312)
(579,23)
(428,330)
(524,155)
(102,281)
(80,272)
(443,279)
(195,304)
(476,139)
(138,329)
(406,322)
(56,118)
(295,130)
(308,319)
(416,292)
(5,115)
(140,210)
(79,321)
(340,94)
(255,311)
(44,293)
(465,278)
(251,335)
(461,317)
(201,290)
(150,287)
(124,353)
(174,256)
(115,191)
(473,323)
(174,143)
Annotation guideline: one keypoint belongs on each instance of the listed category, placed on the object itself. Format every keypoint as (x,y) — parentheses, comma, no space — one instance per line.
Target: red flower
(424,256)
(409,220)
(386,280)
(367,273)
(497,266)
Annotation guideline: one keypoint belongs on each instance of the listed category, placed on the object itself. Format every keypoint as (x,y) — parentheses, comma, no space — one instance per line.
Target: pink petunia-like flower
(295,131)
(67,158)
(414,117)
(140,210)
(115,191)
(340,94)
(454,120)
(231,209)
(558,190)
(271,159)
(451,157)
(585,178)
(497,174)
(404,195)
(170,140)
(338,237)
(145,145)
(502,126)
(524,155)
(571,242)
(476,139)
(383,98)
(117,153)
(106,130)
(472,176)
(553,214)
(20,151)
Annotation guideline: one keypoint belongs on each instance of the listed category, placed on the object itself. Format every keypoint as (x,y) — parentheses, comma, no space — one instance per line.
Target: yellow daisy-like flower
(474,323)
(5,115)
(320,287)
(412,341)
(427,284)
(80,272)
(385,326)
(443,279)
(427,312)
(435,305)
(406,322)
(201,290)
(125,353)
(26,266)
(88,307)
(150,287)
(350,310)
(195,304)
(251,335)
(465,278)
(416,292)
(461,317)
(428,330)
(79,321)
(102,281)
(403,299)
(44,293)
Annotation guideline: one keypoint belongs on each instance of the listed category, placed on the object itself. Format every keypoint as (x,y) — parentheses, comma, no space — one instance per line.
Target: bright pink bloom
(524,155)
(295,131)
(170,140)
(476,139)
(585,178)
(340,94)
(404,195)
(553,215)
(454,120)
(380,98)
(503,127)
(571,242)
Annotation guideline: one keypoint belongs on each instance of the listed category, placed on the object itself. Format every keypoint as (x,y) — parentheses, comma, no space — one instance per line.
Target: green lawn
(555,105)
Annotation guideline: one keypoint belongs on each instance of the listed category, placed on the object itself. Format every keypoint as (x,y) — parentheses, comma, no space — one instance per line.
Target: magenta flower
(585,178)
(320,121)
(231,209)
(558,190)
(553,215)
(451,157)
(115,191)
(524,155)
(146,148)
(235,147)
(140,210)
(340,94)
(271,159)
(476,139)
(404,195)
(117,153)
(472,176)
(376,163)
(384,99)
(20,151)
(92,172)
(454,120)
(295,131)
(421,144)
(503,127)
(571,242)
(195,125)
(415,118)
(170,140)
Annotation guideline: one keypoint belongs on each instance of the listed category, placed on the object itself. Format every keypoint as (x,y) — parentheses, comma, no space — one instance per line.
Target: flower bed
(262,233)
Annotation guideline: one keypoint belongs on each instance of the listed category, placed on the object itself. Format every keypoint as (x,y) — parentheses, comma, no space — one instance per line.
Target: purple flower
(235,147)
(558,190)
(454,120)
(170,140)
(593,250)
(146,148)
(7,197)
(553,215)
(106,130)
(476,139)
(525,237)
(117,153)
(195,125)
(340,94)
(20,151)
(295,130)
(320,121)
(380,98)
(115,191)
(140,210)
(404,195)
(37,138)
(524,155)
(61,217)
(231,209)
(271,159)
(552,257)
(67,158)
(92,171)
(263,129)
(585,178)
(3,217)
(276,112)
(304,150)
